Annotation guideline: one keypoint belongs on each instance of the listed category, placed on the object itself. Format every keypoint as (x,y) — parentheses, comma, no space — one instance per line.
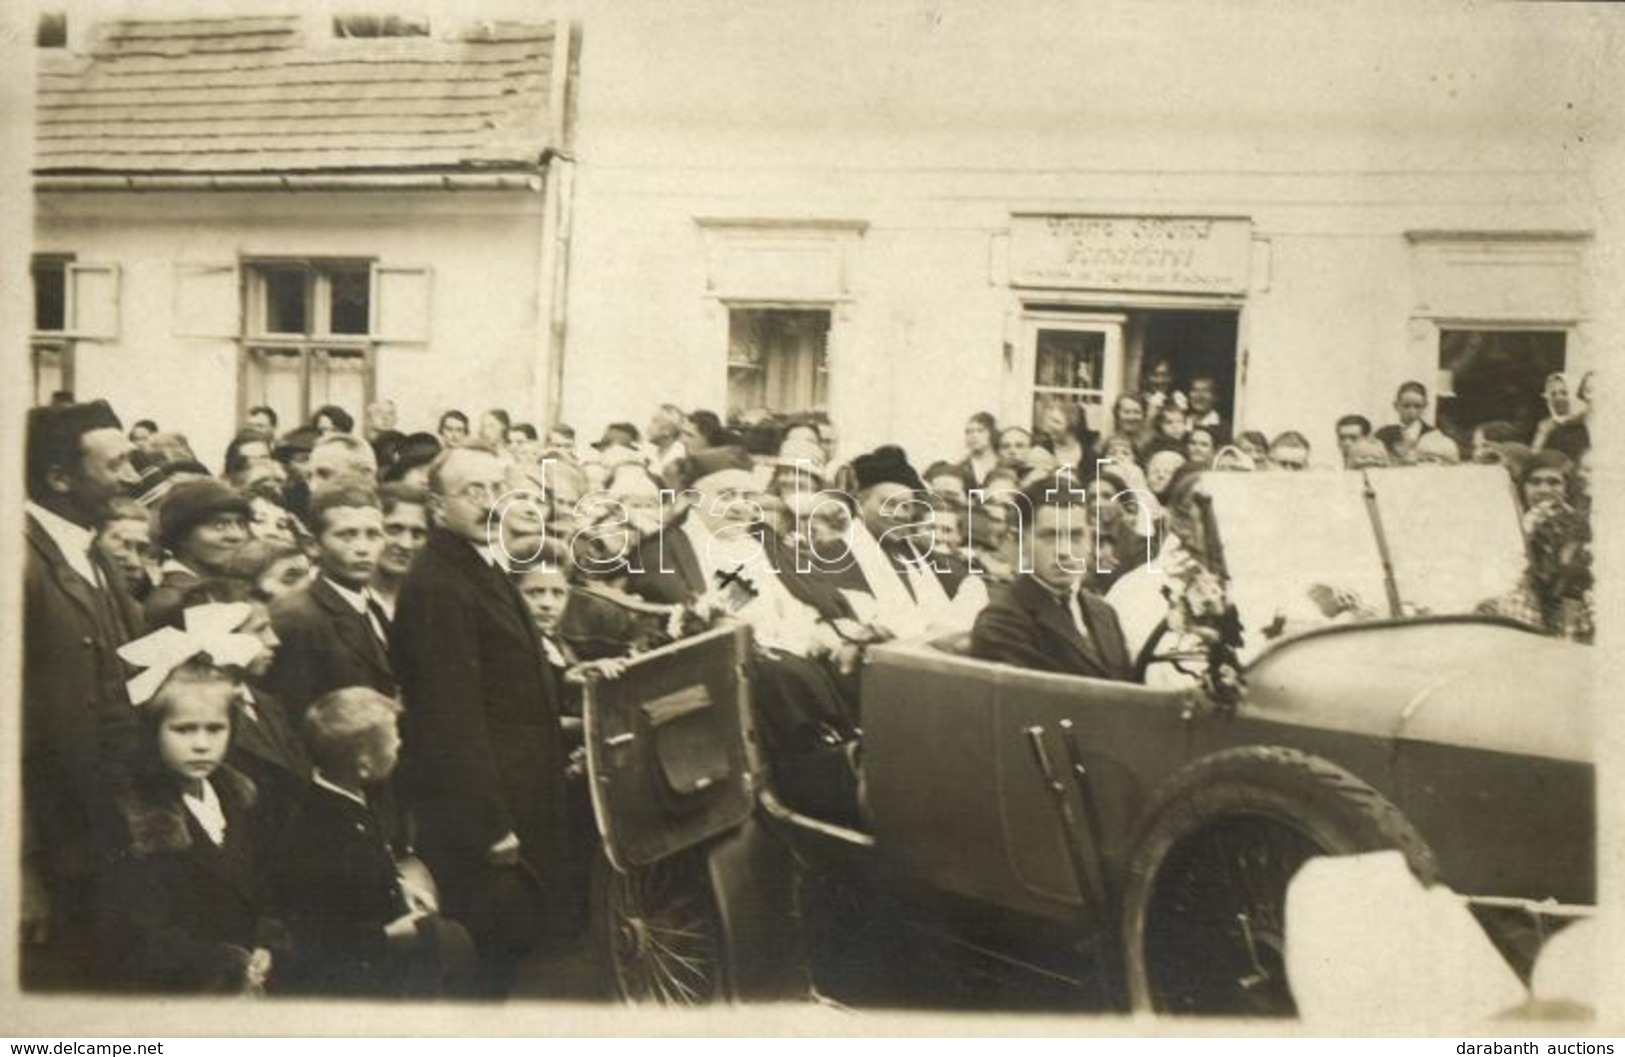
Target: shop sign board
(1183,254)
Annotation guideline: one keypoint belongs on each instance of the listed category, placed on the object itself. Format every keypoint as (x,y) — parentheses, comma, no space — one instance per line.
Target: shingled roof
(256,95)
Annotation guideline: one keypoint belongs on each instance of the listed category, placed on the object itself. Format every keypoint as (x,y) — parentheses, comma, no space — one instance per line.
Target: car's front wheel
(1205,890)
(659,932)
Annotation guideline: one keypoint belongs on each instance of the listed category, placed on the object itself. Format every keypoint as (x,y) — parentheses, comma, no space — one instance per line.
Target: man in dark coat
(77,720)
(669,567)
(483,765)
(334,632)
(807,719)
(1045,619)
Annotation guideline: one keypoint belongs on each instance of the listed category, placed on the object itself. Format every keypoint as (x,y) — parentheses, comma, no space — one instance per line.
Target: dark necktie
(1072,606)
(378,623)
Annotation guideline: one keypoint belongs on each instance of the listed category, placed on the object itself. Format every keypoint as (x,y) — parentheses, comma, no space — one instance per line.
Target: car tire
(1205,888)
(658,933)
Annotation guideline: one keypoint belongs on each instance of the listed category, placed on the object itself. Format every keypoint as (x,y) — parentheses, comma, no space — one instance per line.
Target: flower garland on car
(1199,608)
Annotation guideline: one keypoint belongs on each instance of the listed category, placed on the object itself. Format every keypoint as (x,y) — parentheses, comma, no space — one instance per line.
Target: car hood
(1462,681)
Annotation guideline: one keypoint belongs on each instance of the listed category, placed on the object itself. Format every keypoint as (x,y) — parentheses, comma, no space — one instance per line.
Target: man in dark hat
(201,524)
(411,462)
(916,588)
(717,556)
(77,719)
(1045,619)
(293,452)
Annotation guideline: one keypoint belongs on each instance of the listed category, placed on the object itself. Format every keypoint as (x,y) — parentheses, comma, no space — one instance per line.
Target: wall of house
(1339,135)
(483,344)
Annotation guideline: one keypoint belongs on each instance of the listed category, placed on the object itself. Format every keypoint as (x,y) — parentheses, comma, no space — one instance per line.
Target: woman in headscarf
(1564,428)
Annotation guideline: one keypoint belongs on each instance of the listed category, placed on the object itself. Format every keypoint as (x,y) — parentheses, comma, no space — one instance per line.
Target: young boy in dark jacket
(359,927)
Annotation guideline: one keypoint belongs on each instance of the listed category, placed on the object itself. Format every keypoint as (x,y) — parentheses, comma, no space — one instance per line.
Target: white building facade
(899,214)
(271,211)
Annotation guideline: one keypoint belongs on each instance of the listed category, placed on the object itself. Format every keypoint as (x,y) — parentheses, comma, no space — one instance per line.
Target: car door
(667,750)
(957,801)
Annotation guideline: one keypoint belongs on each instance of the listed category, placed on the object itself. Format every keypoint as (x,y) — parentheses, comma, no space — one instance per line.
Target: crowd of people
(307,720)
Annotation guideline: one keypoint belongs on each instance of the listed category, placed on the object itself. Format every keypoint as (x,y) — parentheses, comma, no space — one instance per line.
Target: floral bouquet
(1199,609)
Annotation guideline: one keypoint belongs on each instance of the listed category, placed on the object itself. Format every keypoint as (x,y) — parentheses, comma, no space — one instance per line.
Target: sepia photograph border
(32,1015)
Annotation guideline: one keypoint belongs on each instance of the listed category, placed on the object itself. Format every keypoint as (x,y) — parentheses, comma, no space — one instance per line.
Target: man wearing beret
(201,524)
(77,721)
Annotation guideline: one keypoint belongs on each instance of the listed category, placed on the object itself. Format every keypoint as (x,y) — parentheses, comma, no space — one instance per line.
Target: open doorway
(1086,356)
(1194,343)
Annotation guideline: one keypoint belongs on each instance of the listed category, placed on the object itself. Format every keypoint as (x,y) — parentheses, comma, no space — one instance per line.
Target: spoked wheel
(1204,923)
(1215,938)
(661,932)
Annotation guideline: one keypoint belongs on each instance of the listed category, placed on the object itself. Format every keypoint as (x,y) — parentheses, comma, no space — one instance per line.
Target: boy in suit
(359,927)
(334,632)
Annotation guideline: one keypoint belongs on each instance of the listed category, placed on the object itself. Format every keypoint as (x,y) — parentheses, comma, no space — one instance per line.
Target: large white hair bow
(210,629)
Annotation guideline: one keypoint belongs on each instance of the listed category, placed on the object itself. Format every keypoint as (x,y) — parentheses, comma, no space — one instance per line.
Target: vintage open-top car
(1114,843)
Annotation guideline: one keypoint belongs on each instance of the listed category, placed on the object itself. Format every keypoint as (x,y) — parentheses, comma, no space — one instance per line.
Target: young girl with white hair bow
(182,901)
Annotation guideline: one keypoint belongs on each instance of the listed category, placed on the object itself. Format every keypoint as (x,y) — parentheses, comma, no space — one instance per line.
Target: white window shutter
(400,304)
(93,300)
(208,301)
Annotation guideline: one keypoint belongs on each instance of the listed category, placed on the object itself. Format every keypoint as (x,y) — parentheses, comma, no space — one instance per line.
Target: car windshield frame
(1306,550)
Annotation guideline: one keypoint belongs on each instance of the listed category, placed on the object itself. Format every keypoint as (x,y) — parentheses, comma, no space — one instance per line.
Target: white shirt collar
(205,807)
(490,556)
(356,600)
(72,540)
(319,779)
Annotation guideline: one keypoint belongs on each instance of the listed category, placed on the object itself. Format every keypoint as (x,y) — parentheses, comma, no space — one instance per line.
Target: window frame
(1436,326)
(59,341)
(1027,392)
(826,367)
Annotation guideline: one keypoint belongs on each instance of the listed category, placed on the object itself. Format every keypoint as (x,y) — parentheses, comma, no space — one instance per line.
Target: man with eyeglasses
(483,757)
(717,557)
